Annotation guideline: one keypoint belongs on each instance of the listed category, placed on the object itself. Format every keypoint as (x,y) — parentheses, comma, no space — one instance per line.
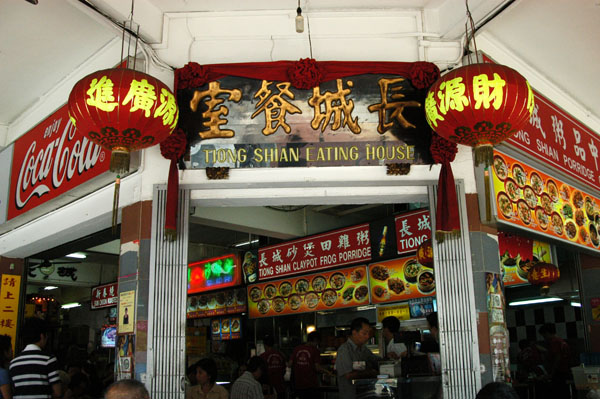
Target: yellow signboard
(402,312)
(126,312)
(10,289)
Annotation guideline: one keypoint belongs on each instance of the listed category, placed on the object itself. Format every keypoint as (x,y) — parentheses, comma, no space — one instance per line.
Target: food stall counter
(417,387)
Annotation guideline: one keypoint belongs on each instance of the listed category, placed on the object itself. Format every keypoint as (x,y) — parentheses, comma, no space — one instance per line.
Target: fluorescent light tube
(77,255)
(534,301)
(241,244)
(70,305)
(576,304)
(50,287)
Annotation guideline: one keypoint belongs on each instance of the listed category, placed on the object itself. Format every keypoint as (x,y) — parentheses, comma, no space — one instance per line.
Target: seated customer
(206,376)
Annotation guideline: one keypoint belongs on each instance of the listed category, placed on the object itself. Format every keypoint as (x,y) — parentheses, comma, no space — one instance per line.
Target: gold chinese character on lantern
(385,122)
(275,106)
(486,92)
(431,111)
(215,110)
(142,96)
(167,108)
(452,96)
(100,94)
(335,106)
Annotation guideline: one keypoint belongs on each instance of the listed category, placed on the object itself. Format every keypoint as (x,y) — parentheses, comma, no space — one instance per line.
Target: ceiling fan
(46,267)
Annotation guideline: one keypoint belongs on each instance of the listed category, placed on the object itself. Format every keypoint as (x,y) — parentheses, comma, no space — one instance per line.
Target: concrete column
(484,258)
(134,268)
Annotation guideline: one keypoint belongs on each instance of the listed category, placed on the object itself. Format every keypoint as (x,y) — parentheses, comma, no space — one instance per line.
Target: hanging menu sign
(399,280)
(558,139)
(218,303)
(322,251)
(412,229)
(533,200)
(104,296)
(324,291)
(519,254)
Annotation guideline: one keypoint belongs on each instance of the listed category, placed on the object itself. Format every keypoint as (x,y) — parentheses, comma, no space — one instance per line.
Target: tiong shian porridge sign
(363,119)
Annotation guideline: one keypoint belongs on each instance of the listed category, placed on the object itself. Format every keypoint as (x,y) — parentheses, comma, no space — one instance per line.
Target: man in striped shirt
(247,385)
(35,373)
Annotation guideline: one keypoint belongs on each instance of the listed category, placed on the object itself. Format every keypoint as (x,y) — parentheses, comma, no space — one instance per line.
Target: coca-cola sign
(49,160)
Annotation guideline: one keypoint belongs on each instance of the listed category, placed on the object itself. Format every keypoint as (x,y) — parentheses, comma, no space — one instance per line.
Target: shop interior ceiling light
(576,304)
(50,288)
(70,305)
(77,255)
(241,244)
(299,20)
(534,301)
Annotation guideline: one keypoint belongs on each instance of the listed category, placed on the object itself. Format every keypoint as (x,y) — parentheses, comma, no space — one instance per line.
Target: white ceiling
(556,39)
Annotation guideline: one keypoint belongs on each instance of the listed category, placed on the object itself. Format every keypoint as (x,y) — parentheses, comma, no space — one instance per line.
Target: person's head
(547,331)
(390,326)
(524,344)
(257,366)
(268,341)
(190,372)
(206,371)
(6,352)
(314,338)
(79,383)
(432,320)
(360,330)
(497,390)
(127,389)
(35,331)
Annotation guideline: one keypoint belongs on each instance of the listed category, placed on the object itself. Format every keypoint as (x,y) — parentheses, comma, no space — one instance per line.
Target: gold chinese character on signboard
(452,95)
(397,107)
(275,106)
(335,105)
(167,108)
(215,110)
(486,92)
(142,96)
(100,94)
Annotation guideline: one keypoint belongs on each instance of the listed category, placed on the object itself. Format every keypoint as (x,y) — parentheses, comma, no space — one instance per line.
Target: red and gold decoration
(122,110)
(173,149)
(447,217)
(425,254)
(543,274)
(479,105)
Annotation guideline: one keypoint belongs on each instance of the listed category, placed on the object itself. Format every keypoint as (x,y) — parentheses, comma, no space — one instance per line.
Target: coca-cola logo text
(50,160)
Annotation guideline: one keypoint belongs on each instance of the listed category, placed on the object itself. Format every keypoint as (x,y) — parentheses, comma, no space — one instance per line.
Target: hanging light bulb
(299,19)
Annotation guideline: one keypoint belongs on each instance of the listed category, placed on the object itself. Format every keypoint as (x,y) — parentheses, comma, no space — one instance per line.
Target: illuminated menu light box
(214,273)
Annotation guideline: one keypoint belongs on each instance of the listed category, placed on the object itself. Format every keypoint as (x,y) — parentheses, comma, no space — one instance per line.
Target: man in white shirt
(393,350)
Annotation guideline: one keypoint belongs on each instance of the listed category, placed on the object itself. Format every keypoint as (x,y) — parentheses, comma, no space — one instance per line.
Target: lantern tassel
(447,215)
(115,214)
(484,154)
(119,160)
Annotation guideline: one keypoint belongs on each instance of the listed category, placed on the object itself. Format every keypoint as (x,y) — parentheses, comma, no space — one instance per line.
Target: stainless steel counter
(421,387)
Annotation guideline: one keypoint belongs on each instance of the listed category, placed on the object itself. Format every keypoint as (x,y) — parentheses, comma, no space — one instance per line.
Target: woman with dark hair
(6,355)
(206,375)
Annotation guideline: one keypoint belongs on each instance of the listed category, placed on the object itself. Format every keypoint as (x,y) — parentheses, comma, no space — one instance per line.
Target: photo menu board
(518,255)
(226,328)
(321,291)
(399,280)
(531,199)
(217,303)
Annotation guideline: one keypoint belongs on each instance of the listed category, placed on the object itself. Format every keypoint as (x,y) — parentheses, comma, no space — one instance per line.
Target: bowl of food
(552,190)
(577,199)
(536,183)
(542,218)
(285,289)
(505,205)
(425,282)
(380,292)
(584,235)
(361,293)
(500,167)
(380,272)
(263,306)
(523,267)
(565,192)
(547,203)
(594,235)
(255,294)
(396,285)
(319,283)
(337,281)
(524,212)
(311,299)
(348,294)
(270,291)
(557,223)
(411,270)
(519,175)
(530,197)
(570,230)
(329,297)
(302,286)
(278,304)
(295,301)
(589,208)
(512,189)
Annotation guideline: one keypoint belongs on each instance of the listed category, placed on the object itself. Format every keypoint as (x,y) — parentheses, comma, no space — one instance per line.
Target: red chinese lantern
(123,110)
(479,105)
(425,254)
(544,274)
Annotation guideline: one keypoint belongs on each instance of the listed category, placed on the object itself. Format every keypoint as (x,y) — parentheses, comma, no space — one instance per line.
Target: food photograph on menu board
(327,290)
(400,279)
(531,199)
